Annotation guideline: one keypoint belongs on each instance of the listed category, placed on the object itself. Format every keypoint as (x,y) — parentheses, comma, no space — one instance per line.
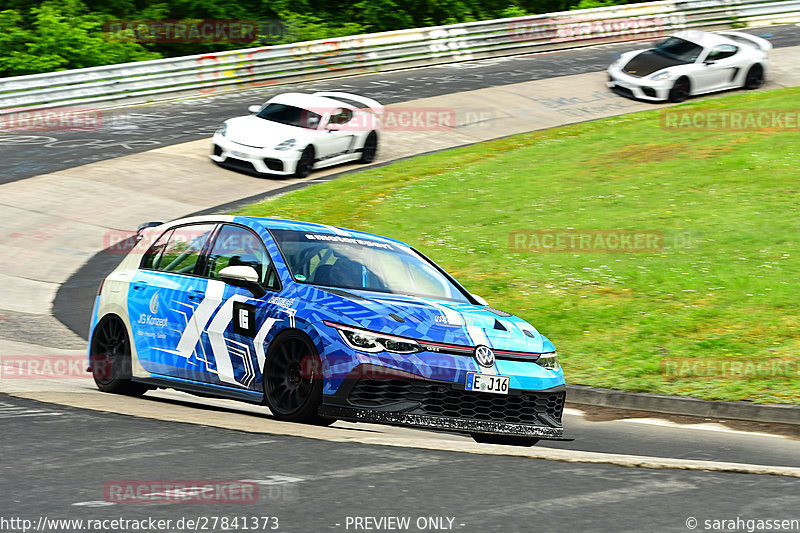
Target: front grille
(624,91)
(440,399)
(239,164)
(217,150)
(274,164)
(649,91)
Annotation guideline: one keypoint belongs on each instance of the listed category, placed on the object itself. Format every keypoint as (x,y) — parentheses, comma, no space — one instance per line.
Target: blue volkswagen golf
(320,323)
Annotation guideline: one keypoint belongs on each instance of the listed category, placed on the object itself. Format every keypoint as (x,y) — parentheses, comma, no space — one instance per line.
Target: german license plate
(487,383)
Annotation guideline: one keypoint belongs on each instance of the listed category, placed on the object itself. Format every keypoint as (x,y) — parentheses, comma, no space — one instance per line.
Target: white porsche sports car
(295,133)
(689,63)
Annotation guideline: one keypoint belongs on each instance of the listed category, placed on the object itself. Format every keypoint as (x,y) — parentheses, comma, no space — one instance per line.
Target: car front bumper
(442,423)
(253,159)
(406,399)
(638,88)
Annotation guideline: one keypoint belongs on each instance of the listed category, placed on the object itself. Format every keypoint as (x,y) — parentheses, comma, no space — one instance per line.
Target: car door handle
(139,285)
(196,295)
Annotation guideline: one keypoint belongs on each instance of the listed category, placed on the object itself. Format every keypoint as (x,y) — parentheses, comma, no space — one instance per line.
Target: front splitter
(444,423)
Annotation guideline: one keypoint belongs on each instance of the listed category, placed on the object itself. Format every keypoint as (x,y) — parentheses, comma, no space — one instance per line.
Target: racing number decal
(244,319)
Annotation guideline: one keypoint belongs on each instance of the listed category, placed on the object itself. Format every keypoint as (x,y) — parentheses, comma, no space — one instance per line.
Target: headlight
(368,341)
(285,145)
(660,76)
(223,130)
(548,361)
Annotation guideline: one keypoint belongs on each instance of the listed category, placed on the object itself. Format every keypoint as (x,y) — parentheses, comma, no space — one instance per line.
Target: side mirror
(254,108)
(480,300)
(243,276)
(709,62)
(330,126)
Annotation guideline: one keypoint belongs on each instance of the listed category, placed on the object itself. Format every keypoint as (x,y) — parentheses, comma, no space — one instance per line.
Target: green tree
(60,35)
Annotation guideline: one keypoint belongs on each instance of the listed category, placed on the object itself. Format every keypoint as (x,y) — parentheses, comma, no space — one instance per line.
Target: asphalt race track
(57,460)
(312,485)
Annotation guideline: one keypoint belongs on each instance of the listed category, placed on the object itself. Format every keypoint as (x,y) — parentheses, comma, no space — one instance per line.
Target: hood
(259,133)
(428,320)
(648,62)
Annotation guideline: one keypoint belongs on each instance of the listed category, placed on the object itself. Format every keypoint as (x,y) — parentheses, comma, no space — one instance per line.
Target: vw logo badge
(484,356)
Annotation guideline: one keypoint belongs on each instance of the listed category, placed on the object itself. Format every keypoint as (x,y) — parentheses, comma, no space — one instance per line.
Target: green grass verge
(724,288)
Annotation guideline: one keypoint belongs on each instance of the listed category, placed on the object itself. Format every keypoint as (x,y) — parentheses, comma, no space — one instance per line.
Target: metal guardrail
(316,60)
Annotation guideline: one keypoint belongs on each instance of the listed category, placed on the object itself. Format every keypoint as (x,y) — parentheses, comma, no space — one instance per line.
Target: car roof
(703,38)
(280,224)
(308,101)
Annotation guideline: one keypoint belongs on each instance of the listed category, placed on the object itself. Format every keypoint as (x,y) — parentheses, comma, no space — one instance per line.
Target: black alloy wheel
(293,380)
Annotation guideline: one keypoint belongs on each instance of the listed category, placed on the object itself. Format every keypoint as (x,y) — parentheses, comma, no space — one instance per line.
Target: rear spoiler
(142,227)
(373,105)
(752,40)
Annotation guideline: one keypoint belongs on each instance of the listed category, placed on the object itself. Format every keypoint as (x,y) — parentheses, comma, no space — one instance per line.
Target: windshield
(290,115)
(680,49)
(356,263)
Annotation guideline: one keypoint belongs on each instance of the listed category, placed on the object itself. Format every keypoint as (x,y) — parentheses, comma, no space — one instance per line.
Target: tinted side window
(342,116)
(183,249)
(152,255)
(721,52)
(234,246)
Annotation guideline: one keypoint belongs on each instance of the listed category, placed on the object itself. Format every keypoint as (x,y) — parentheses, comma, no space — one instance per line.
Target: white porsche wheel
(754,78)
(370,148)
(305,164)
(680,91)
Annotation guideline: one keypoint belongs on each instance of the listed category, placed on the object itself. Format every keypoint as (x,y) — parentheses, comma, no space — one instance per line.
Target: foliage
(59,35)
(65,34)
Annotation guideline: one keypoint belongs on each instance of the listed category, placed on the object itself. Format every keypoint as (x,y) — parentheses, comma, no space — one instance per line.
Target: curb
(677,405)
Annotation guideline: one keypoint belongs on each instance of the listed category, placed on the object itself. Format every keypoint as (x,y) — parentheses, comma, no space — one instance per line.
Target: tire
(305,164)
(509,440)
(680,91)
(754,78)
(370,148)
(110,359)
(292,380)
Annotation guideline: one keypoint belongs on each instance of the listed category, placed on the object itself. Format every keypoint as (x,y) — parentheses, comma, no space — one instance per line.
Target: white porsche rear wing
(373,105)
(746,38)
